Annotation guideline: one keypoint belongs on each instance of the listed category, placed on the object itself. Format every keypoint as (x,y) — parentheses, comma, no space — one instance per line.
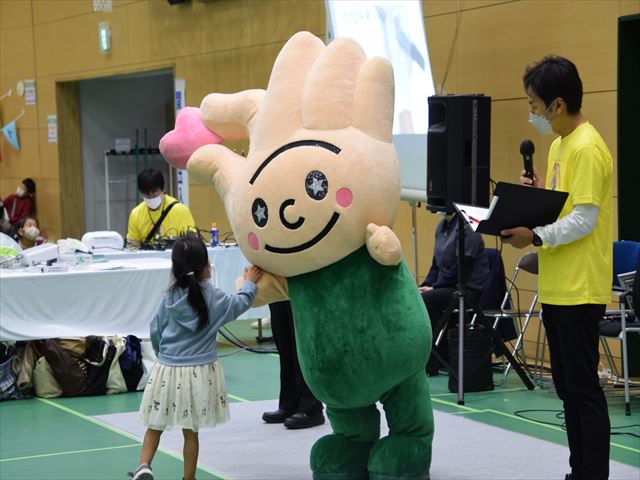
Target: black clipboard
(514,206)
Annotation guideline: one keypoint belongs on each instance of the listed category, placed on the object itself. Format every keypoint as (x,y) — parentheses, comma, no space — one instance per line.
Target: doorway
(122,119)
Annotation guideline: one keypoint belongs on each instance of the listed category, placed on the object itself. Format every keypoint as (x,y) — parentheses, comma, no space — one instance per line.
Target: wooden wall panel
(230,45)
(204,200)
(15,14)
(493,52)
(432,8)
(26,162)
(16,52)
(70,191)
(13,105)
(627,7)
(50,11)
(46,102)
(440,34)
(48,209)
(49,168)
(69,45)
(277,21)
(137,33)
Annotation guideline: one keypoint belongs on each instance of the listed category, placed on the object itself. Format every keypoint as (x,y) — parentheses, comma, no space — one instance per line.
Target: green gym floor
(59,439)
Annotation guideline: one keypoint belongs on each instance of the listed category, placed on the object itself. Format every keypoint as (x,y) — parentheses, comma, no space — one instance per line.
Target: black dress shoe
(304,420)
(277,416)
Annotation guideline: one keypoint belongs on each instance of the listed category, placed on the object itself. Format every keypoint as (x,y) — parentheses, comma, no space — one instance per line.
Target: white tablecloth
(119,296)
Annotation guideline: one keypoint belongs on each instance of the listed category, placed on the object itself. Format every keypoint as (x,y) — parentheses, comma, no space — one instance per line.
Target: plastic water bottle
(214,235)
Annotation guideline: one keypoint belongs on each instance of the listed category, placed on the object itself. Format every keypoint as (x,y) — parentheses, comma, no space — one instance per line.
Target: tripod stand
(461,297)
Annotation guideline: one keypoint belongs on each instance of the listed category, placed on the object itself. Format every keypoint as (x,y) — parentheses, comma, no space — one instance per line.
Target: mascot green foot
(406,453)
(344,455)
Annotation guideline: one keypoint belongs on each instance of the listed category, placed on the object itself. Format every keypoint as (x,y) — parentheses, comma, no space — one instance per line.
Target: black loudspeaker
(478,370)
(458,151)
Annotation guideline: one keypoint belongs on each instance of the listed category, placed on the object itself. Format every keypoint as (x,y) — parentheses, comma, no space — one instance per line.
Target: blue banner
(11,134)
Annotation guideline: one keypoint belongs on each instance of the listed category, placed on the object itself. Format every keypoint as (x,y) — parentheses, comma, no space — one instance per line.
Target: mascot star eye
(316,185)
(259,212)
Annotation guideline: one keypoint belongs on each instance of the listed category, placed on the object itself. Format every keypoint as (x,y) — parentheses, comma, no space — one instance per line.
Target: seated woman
(19,205)
(442,279)
(28,234)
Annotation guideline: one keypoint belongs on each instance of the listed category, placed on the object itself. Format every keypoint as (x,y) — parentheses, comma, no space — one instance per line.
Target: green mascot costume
(312,204)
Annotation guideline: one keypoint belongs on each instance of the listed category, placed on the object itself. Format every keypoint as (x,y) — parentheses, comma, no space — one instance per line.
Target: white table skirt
(98,301)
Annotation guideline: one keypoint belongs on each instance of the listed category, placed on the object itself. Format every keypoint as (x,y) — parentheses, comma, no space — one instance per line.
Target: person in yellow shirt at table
(159,215)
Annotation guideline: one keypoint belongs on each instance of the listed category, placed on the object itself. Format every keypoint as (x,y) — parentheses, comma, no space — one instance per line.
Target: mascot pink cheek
(254,243)
(344,197)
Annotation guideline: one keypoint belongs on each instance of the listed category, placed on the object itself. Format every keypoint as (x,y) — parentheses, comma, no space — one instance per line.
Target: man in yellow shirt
(575,258)
(145,216)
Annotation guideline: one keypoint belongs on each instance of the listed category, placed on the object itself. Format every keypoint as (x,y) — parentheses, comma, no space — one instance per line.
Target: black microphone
(527,149)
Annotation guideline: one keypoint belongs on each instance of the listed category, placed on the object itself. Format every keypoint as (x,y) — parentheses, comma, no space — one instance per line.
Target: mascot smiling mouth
(334,218)
(310,243)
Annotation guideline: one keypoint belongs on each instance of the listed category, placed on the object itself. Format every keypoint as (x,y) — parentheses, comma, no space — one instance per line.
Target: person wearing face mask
(442,280)
(575,257)
(19,205)
(157,211)
(28,233)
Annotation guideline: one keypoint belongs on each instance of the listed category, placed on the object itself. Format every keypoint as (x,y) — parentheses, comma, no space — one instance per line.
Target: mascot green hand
(312,204)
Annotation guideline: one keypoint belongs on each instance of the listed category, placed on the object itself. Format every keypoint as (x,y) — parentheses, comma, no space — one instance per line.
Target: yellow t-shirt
(142,220)
(580,272)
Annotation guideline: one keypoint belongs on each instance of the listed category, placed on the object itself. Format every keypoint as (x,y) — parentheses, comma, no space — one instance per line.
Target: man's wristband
(536,241)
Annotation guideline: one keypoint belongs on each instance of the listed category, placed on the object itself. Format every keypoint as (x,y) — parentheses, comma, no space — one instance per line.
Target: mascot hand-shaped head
(321,165)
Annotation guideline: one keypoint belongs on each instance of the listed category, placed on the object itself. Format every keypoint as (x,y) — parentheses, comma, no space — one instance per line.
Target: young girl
(186,387)
(27,233)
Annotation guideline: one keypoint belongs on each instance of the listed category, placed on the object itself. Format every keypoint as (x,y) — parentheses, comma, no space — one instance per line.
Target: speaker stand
(461,298)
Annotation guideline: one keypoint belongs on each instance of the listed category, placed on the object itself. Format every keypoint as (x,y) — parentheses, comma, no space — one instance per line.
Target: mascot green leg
(406,452)
(343,455)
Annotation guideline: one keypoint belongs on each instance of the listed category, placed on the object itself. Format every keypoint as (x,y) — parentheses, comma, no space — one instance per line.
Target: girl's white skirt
(190,397)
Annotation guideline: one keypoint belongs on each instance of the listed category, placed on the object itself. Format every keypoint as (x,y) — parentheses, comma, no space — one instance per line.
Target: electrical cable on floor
(559,414)
(519,414)
(625,433)
(230,337)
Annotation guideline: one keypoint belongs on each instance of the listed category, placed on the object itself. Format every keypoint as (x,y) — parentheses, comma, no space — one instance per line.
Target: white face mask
(154,203)
(20,191)
(31,233)
(540,122)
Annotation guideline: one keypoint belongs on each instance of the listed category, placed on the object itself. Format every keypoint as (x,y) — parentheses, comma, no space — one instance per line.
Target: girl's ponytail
(189,266)
(196,299)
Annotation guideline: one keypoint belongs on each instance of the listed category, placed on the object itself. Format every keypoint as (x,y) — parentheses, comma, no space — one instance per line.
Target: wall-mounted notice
(180,91)
(30,92)
(182,176)
(52,128)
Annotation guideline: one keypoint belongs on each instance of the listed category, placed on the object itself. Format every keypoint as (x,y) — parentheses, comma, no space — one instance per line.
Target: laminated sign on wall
(52,128)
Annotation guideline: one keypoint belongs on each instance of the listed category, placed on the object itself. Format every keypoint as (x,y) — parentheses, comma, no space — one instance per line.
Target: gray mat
(245,448)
